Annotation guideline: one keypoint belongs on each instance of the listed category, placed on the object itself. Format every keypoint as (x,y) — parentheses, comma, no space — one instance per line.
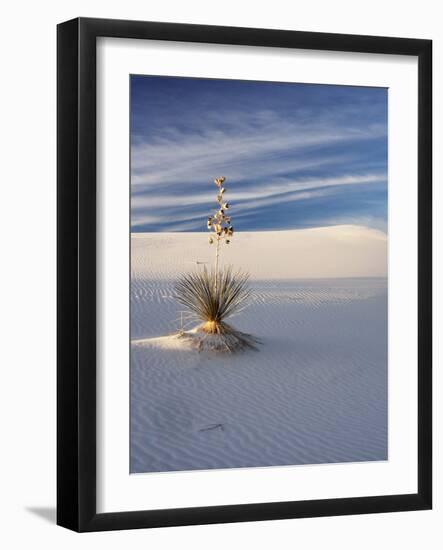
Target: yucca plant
(212,303)
(211,296)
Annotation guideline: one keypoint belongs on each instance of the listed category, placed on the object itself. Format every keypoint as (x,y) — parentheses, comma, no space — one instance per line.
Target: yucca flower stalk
(220,224)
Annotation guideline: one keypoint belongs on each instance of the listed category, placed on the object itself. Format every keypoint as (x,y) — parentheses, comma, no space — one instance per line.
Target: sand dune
(325,252)
(315,392)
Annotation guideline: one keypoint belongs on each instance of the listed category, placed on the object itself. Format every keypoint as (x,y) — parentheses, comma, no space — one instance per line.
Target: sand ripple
(315,393)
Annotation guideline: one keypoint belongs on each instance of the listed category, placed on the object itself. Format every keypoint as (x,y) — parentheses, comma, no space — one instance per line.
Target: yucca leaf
(197,292)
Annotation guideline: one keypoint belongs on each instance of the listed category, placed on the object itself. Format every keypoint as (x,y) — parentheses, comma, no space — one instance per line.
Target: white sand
(316,391)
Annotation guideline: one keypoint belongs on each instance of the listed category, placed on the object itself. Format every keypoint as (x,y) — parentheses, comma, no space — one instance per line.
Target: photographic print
(258,303)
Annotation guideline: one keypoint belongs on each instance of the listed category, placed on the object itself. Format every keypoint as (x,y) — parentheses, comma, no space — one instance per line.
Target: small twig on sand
(212,427)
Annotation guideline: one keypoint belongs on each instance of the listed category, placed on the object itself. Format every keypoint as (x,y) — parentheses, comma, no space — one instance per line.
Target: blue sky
(294,155)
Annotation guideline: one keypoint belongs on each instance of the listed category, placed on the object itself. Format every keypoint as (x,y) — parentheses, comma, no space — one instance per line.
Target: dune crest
(326,252)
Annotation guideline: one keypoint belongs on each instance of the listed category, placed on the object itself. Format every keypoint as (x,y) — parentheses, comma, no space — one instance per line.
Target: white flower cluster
(220,224)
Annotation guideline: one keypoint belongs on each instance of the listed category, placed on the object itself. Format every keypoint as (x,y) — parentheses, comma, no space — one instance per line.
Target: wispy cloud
(281,190)
(277,146)
(271,157)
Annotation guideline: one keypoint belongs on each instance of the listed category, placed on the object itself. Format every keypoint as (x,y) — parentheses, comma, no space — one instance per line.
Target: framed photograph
(244,274)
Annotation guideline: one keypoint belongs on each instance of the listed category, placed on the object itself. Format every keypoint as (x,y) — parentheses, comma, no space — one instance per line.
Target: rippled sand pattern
(316,392)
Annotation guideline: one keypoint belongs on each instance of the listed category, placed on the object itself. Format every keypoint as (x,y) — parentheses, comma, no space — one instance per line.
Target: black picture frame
(76,265)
